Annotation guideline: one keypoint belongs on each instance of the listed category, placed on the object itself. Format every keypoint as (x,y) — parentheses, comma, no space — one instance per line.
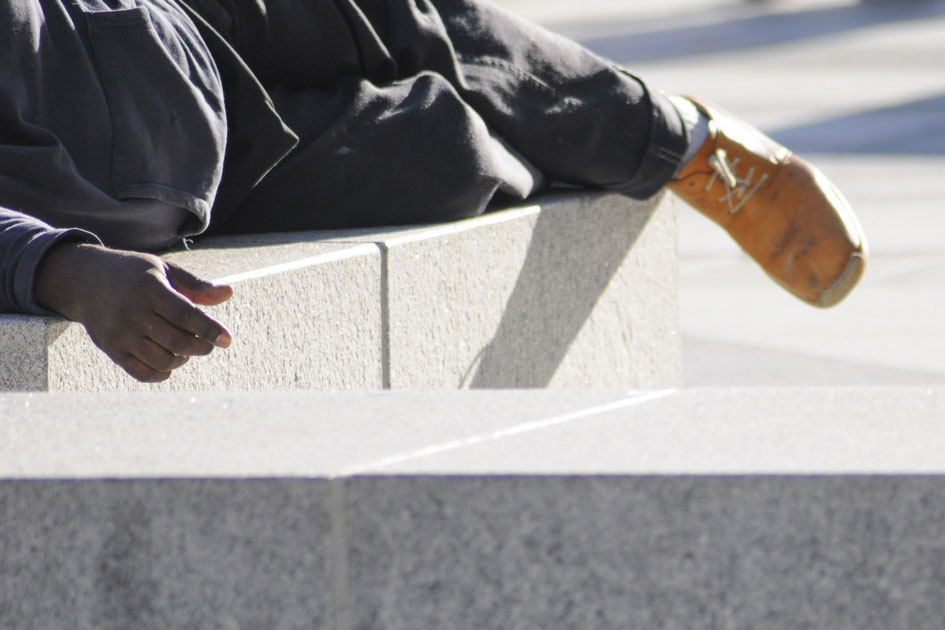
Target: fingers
(158,335)
(140,309)
(139,370)
(156,357)
(196,290)
(143,358)
(181,314)
(178,342)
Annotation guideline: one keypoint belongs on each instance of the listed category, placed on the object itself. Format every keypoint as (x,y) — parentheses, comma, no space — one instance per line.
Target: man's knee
(447,148)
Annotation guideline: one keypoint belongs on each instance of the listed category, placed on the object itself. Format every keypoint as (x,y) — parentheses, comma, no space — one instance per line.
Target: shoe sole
(845,283)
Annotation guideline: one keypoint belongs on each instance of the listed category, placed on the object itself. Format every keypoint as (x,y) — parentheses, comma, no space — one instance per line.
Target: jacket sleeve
(61,163)
(23,242)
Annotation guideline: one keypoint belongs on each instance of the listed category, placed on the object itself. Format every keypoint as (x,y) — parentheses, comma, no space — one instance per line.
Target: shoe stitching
(738,190)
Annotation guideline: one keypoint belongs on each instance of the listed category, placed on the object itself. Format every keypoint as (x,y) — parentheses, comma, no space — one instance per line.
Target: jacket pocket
(168,126)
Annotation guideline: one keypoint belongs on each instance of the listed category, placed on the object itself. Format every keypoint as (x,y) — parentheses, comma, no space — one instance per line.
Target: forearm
(24,242)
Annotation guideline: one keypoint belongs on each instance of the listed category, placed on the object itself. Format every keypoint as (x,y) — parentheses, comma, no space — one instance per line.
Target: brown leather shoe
(781,210)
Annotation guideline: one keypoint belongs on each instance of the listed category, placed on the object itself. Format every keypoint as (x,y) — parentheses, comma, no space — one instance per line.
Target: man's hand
(138,308)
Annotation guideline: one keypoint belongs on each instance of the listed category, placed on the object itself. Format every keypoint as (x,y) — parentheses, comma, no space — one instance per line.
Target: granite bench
(575,290)
(772,508)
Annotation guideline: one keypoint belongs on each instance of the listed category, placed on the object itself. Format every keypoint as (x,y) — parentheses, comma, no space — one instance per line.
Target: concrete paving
(478,509)
(859,88)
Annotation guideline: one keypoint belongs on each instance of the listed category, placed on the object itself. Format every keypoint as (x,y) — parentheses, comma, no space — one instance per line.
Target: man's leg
(416,137)
(453,101)
(579,118)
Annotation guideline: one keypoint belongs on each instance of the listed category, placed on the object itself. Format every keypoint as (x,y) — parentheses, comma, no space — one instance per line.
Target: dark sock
(696,123)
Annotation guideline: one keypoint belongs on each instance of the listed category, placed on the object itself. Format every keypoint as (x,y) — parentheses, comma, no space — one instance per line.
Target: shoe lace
(738,190)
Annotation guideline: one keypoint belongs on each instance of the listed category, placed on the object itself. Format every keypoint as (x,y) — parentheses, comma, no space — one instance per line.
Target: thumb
(196,290)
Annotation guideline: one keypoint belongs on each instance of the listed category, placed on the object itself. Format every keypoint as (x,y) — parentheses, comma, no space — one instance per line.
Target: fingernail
(223,341)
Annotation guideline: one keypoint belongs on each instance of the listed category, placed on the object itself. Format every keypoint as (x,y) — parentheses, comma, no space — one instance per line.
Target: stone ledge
(579,290)
(822,431)
(717,508)
(287,337)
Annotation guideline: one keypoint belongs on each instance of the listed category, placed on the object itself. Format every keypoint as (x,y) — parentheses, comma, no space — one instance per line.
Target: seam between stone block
(544,423)
(463,225)
(295,265)
(339,556)
(385,315)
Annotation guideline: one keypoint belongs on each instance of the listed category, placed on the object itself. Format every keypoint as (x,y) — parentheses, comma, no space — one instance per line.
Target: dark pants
(412,111)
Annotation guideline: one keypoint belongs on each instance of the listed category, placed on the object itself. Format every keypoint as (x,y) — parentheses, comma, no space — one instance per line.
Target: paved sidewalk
(858,88)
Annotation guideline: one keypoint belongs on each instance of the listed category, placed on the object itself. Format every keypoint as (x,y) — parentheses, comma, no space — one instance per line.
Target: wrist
(57,283)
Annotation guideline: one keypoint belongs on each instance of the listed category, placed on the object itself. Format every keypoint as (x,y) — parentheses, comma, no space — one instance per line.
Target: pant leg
(578,117)
(451,101)
(408,152)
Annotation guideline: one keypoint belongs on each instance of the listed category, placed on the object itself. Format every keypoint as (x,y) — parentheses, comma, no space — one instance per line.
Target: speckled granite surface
(579,291)
(715,508)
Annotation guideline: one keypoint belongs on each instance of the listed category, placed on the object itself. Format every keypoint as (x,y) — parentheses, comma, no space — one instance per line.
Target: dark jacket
(113,128)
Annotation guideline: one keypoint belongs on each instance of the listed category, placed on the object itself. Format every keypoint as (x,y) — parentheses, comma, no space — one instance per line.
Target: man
(129,125)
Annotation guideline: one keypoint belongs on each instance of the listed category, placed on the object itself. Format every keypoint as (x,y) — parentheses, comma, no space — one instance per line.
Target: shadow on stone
(559,285)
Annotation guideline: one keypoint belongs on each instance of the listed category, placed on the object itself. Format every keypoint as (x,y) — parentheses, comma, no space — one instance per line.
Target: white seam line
(501,433)
(311,261)
(358,250)
(464,226)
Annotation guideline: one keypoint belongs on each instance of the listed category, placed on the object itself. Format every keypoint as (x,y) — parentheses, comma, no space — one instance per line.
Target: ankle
(696,124)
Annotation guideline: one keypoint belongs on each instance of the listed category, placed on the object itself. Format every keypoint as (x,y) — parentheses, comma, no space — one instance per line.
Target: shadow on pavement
(718,364)
(917,128)
(661,40)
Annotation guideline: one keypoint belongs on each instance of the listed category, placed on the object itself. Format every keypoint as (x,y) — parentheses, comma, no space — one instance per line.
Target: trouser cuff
(668,142)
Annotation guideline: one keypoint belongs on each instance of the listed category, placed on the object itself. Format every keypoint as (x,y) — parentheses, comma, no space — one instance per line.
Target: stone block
(155,554)
(777,508)
(220,510)
(119,435)
(579,291)
(647,552)
(718,431)
(305,315)
(23,351)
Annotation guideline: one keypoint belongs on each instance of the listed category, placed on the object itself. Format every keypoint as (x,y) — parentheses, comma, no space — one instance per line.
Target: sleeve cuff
(39,244)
